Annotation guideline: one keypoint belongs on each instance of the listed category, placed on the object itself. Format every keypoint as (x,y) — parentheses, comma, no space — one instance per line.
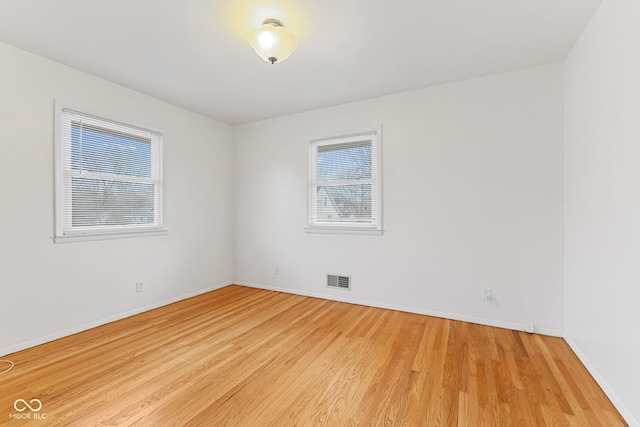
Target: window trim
(376,180)
(62,235)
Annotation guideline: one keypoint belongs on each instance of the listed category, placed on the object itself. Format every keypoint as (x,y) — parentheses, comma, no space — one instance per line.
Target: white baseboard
(74,330)
(613,397)
(624,412)
(417,310)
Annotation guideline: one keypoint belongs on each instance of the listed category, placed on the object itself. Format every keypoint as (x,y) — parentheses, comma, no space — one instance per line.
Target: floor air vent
(340,282)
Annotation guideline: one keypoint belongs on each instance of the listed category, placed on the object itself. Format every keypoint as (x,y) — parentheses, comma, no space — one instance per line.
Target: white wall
(473,177)
(602,185)
(48,290)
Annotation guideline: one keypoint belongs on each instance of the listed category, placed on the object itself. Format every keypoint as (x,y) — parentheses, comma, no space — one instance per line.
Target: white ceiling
(193,53)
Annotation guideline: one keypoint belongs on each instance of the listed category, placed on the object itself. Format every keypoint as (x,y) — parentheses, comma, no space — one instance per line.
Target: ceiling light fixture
(272,42)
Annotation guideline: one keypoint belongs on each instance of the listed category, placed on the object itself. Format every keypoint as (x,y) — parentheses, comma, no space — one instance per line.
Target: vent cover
(339,282)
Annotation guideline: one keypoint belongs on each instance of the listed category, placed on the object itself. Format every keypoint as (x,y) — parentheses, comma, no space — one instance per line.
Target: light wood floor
(246,357)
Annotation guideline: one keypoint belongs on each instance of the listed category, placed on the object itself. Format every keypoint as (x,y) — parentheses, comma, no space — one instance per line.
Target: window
(344,184)
(108,178)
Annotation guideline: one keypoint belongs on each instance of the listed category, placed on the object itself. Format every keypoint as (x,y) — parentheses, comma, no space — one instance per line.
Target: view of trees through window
(343,189)
(107,191)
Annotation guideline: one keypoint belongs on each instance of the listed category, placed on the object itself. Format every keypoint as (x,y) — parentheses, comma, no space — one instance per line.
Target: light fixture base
(272,21)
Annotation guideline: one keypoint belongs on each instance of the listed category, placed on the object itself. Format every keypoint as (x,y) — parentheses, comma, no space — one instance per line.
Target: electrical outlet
(529,328)
(488,295)
(139,287)
(276,271)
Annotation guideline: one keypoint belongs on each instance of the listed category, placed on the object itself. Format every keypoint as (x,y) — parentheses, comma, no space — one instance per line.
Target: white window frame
(373,228)
(64,230)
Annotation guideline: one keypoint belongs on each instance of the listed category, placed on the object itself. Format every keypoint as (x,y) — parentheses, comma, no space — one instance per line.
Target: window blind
(345,182)
(111,175)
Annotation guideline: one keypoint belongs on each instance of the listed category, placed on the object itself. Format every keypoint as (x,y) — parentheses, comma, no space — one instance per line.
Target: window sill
(343,230)
(86,237)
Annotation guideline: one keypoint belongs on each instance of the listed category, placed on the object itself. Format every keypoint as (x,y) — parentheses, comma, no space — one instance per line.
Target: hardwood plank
(248,357)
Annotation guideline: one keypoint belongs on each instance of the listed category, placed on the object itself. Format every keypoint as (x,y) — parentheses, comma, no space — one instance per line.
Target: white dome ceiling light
(272,42)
